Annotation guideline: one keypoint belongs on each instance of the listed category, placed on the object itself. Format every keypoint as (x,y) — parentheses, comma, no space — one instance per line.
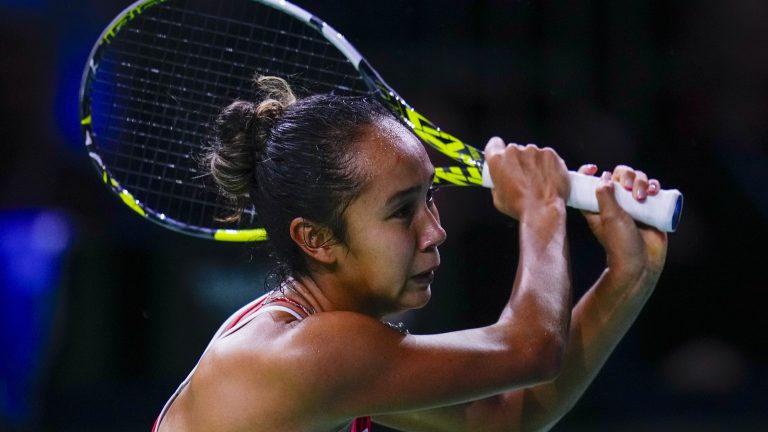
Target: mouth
(425,277)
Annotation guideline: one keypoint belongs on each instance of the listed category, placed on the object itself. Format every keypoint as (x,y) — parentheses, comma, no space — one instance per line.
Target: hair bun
(276,97)
(241,131)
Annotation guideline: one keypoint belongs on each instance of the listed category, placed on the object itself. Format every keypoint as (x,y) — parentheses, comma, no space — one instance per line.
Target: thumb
(606,200)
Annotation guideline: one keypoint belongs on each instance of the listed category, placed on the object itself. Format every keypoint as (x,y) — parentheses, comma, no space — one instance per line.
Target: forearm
(599,321)
(540,301)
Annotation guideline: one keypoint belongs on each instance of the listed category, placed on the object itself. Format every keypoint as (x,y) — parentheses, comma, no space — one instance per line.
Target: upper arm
(353,365)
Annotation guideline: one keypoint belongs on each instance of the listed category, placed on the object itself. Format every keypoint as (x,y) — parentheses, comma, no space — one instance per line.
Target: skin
(522,373)
(393,231)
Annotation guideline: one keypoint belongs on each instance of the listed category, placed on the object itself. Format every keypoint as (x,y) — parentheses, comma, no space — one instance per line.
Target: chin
(417,299)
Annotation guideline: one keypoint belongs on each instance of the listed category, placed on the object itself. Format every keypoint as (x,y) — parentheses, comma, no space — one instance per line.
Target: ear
(316,240)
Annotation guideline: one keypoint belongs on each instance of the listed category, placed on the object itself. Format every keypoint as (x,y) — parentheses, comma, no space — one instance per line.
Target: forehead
(391,159)
(389,150)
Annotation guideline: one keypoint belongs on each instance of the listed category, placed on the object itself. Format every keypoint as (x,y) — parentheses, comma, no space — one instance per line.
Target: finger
(495,146)
(550,155)
(550,152)
(653,187)
(606,200)
(588,169)
(640,186)
(624,175)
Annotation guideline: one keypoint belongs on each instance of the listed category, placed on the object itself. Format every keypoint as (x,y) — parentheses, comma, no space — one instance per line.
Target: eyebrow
(406,193)
(403,195)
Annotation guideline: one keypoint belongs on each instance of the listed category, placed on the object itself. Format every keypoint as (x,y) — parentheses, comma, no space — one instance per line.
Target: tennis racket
(161,71)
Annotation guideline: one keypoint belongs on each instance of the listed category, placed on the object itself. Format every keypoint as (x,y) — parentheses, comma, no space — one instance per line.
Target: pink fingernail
(628,184)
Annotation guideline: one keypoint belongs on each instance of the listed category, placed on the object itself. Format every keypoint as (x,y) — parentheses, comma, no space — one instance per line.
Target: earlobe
(316,240)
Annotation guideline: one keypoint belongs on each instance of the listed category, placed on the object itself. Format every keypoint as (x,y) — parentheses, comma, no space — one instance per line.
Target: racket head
(163,69)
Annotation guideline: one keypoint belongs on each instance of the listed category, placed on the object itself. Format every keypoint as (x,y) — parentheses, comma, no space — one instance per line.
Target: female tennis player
(344,191)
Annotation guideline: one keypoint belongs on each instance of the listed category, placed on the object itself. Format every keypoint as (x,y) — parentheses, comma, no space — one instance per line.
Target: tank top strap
(264,308)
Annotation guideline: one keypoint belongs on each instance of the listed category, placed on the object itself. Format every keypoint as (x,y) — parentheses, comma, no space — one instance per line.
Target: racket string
(160,84)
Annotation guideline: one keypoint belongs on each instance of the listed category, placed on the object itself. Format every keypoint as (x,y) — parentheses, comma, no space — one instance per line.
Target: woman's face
(393,227)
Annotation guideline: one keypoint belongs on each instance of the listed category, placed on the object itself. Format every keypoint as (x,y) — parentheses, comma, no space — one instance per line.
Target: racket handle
(661,211)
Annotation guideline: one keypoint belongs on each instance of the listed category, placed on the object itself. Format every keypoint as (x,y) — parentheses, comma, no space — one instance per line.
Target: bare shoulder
(277,367)
(342,345)
(276,338)
(252,351)
(328,343)
(340,328)
(241,377)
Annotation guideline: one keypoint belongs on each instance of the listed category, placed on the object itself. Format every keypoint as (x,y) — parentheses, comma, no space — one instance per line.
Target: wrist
(543,229)
(635,278)
(549,212)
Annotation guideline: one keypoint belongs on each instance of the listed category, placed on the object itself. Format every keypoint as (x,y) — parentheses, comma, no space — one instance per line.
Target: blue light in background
(33,244)
(77,30)
(66,107)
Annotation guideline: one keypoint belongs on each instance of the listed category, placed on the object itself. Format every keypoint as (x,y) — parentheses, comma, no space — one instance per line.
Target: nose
(431,233)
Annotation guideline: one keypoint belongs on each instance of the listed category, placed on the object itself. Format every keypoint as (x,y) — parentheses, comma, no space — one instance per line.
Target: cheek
(390,252)
(365,243)
(392,246)
(382,249)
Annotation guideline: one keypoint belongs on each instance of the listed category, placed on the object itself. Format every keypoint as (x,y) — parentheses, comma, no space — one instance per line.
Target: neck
(305,291)
(324,295)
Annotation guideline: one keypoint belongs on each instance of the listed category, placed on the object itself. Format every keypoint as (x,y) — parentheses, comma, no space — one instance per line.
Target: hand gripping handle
(661,210)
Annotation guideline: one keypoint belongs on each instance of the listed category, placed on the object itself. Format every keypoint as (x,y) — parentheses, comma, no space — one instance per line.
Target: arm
(599,321)
(351,365)
(635,258)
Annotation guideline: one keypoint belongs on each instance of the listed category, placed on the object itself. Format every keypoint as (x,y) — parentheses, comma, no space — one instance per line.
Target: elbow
(536,353)
(548,362)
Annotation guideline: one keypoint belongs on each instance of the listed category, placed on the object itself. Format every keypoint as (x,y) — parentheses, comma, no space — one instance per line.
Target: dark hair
(291,158)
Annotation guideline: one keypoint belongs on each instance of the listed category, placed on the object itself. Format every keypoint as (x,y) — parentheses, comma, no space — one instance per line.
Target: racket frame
(473,171)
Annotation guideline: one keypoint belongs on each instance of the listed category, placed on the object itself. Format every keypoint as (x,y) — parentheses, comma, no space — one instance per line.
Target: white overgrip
(661,210)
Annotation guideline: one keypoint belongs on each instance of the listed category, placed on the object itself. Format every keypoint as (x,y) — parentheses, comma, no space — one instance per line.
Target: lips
(425,277)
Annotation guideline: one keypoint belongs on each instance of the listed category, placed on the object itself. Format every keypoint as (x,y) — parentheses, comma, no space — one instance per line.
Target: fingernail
(640,194)
(652,187)
(628,184)
(606,177)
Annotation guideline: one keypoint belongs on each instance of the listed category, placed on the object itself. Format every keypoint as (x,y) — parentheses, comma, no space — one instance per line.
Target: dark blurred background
(102,314)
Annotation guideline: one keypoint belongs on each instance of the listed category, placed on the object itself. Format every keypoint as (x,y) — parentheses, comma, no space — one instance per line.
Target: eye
(404,212)
(409,207)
